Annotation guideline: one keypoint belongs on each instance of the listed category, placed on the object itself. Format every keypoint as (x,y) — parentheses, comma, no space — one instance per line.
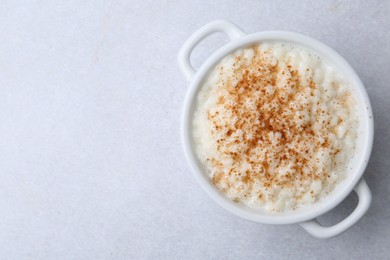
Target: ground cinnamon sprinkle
(274,136)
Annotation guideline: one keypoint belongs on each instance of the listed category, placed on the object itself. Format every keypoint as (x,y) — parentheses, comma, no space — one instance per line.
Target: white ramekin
(354,180)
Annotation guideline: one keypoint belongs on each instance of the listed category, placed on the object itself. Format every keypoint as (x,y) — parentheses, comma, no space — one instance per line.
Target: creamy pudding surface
(275,127)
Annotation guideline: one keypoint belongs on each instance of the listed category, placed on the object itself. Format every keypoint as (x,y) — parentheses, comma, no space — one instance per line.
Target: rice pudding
(275,127)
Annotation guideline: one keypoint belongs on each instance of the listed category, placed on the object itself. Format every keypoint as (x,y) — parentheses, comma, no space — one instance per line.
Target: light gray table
(90,158)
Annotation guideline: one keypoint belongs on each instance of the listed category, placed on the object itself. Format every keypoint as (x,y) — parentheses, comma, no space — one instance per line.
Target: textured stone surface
(90,157)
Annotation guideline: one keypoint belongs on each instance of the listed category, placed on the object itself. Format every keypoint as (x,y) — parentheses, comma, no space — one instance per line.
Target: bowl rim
(186,126)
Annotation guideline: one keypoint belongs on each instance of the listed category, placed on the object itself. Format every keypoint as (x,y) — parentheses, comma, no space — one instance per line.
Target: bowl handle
(216,26)
(364,195)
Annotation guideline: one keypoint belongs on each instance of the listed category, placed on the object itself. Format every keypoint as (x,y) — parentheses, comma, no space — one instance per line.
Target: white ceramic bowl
(354,180)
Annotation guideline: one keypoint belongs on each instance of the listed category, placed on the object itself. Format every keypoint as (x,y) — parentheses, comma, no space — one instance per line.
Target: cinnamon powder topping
(274,136)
